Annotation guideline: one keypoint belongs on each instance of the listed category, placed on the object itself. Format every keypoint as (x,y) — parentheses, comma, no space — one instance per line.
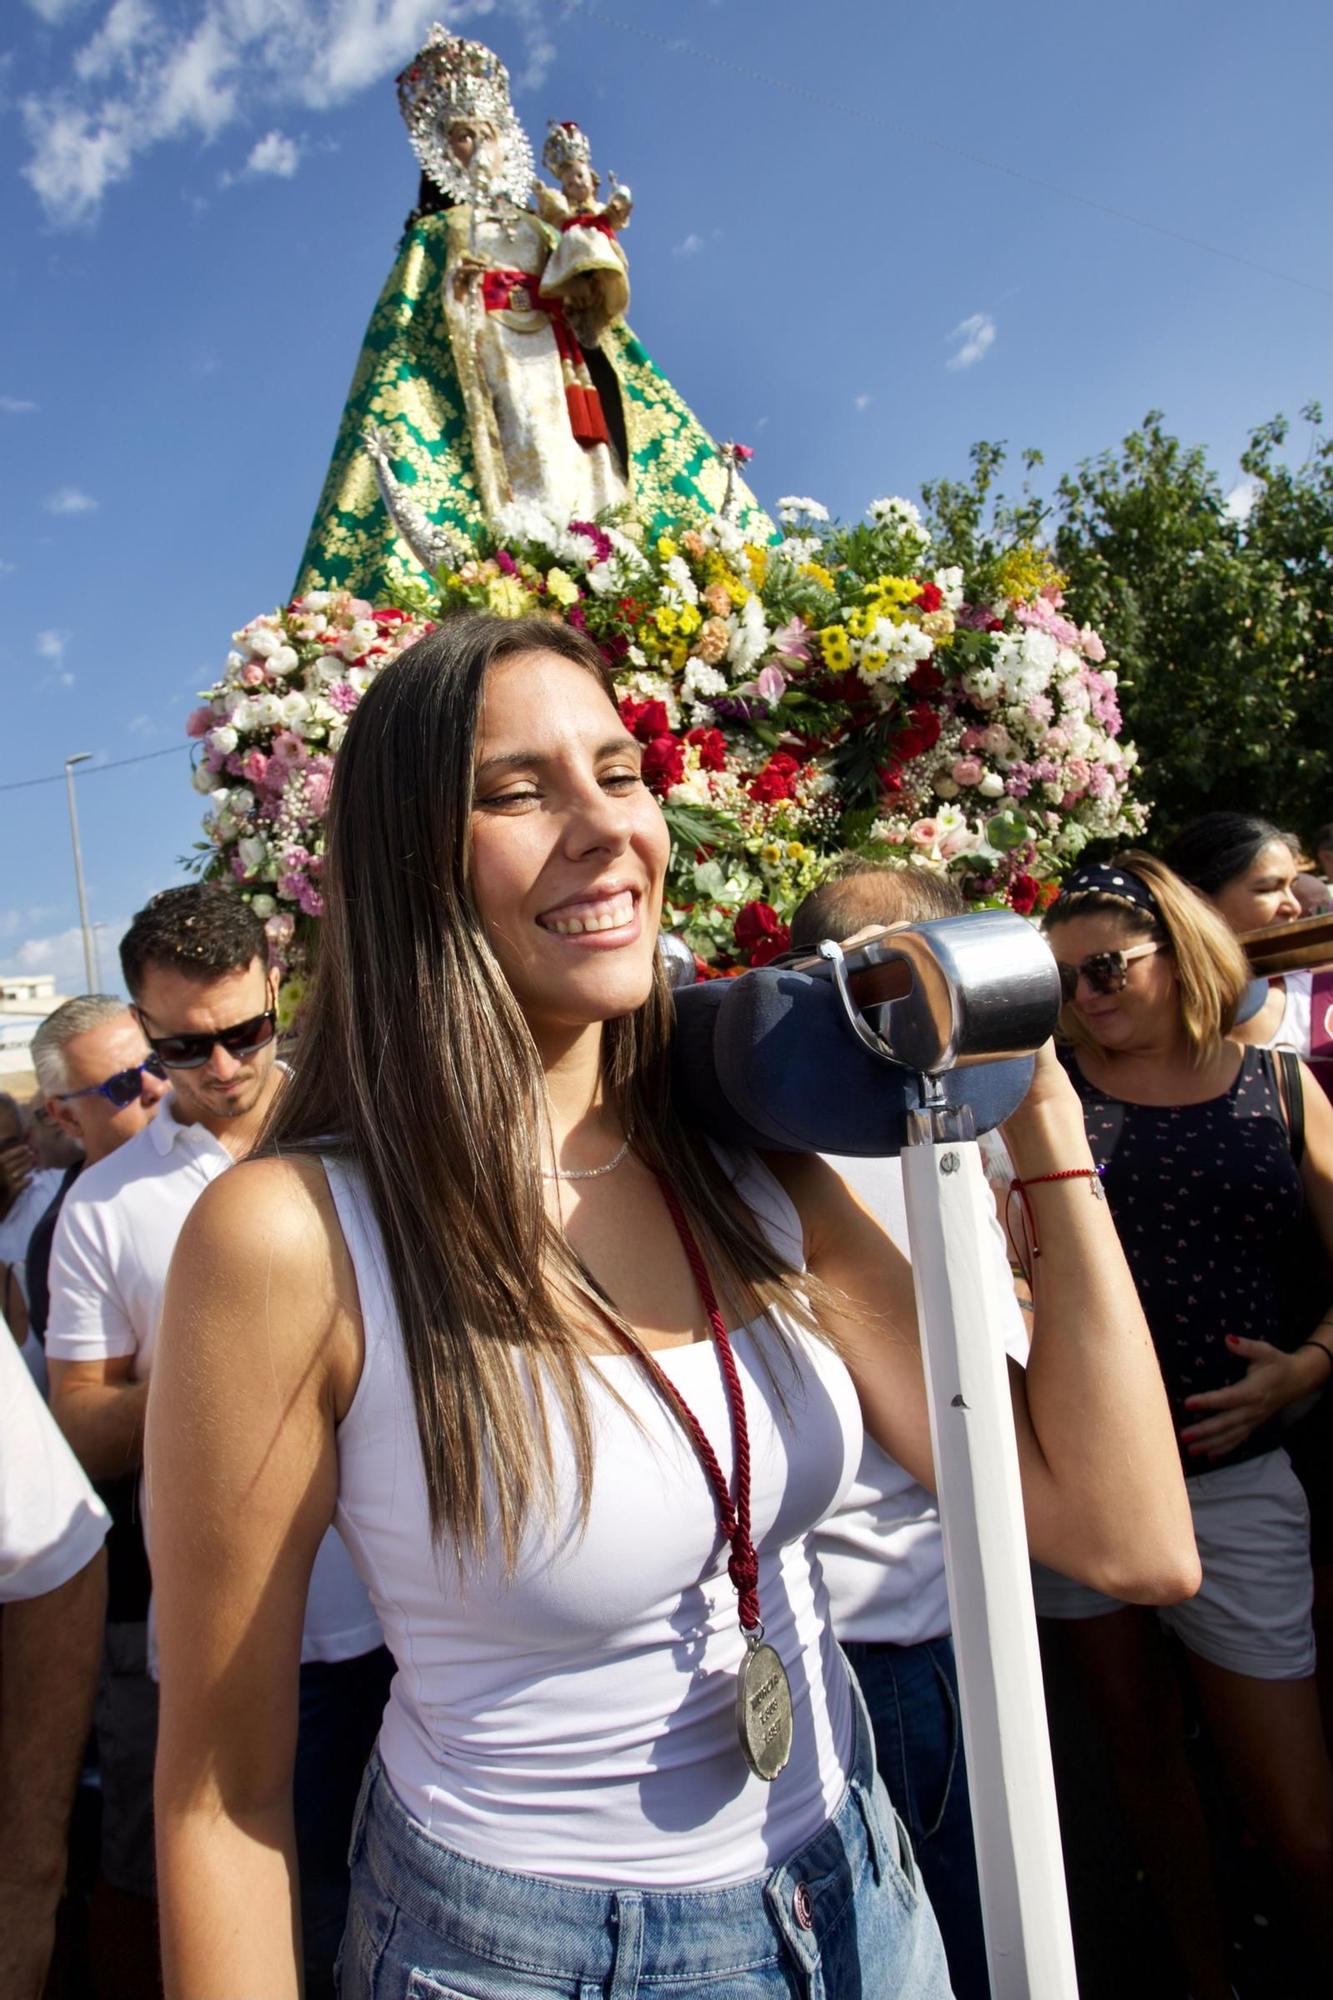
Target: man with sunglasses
(205,1001)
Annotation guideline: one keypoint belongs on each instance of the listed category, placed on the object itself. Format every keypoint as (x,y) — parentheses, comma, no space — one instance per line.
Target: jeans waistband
(580,1930)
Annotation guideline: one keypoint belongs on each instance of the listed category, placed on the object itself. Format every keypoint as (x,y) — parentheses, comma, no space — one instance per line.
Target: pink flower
(199,721)
(317,794)
(289,747)
(280,930)
(254,764)
(997,740)
(793,641)
(1091,646)
(924,832)
(967,771)
(771,683)
(252,673)
(972,739)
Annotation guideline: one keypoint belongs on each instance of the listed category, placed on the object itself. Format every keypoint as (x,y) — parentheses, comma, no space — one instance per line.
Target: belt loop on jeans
(629,1946)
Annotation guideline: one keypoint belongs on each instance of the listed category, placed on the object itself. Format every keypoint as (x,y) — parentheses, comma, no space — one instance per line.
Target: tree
(1220,619)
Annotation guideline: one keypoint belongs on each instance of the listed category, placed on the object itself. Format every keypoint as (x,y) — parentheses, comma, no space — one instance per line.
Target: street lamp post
(80,757)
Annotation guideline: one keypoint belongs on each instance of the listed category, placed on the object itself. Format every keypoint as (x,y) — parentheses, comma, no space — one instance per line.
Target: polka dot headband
(1117,885)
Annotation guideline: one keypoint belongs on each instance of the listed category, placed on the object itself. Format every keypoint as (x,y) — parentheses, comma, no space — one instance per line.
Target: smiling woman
(574,1387)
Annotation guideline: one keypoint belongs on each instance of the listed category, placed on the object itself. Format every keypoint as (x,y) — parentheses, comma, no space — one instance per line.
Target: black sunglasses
(193,1051)
(1105,971)
(122,1088)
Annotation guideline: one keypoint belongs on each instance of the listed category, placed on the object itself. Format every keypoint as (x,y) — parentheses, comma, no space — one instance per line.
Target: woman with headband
(1194,1139)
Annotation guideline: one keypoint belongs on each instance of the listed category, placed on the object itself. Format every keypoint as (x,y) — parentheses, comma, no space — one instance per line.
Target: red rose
(644,719)
(1023,893)
(761,933)
(663,761)
(930,598)
(926,721)
(712,747)
(891,778)
(927,679)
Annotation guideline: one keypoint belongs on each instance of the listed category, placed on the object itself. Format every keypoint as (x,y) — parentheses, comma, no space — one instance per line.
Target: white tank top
(578,1719)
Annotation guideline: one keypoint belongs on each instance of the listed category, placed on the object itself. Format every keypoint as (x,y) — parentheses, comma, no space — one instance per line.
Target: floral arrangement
(831,691)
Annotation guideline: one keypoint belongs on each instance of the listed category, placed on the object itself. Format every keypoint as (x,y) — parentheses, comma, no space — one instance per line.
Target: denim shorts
(844,1919)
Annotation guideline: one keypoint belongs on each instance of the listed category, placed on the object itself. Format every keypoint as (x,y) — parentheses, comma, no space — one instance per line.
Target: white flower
(314,600)
(945,788)
(223,740)
(991,786)
(949,583)
(702,681)
(691,791)
(336,735)
(792,506)
(724,535)
(295,708)
(266,710)
(362,636)
(1041,650)
(799,548)
(895,512)
(983,683)
(241,803)
(683,589)
(264,907)
(264,642)
(749,640)
(253,852)
(284,660)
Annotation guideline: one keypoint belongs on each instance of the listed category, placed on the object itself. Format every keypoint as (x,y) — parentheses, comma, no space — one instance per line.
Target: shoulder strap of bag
(1291,1096)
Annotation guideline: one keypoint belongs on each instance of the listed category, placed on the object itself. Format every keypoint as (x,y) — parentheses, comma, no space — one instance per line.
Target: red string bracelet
(1020,1188)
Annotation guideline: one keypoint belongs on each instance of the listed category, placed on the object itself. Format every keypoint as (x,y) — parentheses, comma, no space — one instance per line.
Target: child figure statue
(587,269)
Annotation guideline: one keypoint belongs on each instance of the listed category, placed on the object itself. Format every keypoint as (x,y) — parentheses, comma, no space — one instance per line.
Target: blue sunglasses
(122,1088)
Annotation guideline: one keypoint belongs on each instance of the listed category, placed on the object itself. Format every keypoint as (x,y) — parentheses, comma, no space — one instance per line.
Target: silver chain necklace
(587,1173)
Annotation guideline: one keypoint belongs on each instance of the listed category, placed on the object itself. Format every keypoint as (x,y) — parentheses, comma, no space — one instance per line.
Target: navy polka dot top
(1208,1203)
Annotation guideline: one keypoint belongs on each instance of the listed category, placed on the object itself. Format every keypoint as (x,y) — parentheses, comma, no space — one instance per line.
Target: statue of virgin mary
(474,393)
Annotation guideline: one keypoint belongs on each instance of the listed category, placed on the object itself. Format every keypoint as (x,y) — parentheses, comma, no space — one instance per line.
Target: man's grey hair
(76,1017)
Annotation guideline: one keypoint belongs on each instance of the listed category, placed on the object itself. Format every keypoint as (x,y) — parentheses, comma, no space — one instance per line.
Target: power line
(678,46)
(91,770)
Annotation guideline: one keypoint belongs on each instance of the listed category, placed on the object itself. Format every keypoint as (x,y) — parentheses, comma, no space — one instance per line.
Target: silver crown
(565,142)
(450,80)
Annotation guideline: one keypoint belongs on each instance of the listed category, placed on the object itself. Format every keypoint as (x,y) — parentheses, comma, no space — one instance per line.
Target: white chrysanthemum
(702,681)
(793,507)
(749,639)
(677,573)
(949,583)
(798,549)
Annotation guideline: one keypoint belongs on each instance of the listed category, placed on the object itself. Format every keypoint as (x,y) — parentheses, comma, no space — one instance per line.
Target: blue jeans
(844,1919)
(912,1695)
(342,1705)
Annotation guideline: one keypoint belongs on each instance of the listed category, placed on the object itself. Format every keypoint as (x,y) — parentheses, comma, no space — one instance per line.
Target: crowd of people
(481,1532)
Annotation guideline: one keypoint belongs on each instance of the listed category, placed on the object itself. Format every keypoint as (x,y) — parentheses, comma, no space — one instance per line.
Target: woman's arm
(1103,1492)
(256,1359)
(1274,1379)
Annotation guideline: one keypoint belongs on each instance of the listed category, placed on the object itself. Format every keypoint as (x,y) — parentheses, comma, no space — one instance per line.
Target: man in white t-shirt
(53,1589)
(882,1553)
(195,964)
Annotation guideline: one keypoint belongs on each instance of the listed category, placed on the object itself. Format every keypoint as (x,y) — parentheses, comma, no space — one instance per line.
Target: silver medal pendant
(763,1708)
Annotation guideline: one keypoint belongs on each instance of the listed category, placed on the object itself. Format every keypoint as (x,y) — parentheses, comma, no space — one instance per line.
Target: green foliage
(1221,626)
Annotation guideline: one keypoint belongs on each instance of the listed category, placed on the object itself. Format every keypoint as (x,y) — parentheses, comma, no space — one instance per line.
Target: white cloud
(977,335)
(689,246)
(69,500)
(862,402)
(17,406)
(61,952)
(275,154)
(55,10)
(51,646)
(1241,499)
(143,79)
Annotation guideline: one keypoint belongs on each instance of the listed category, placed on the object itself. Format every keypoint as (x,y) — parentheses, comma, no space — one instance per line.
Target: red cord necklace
(763,1693)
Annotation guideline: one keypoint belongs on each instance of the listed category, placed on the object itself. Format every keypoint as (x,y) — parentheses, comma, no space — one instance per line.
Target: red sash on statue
(589,222)
(517,291)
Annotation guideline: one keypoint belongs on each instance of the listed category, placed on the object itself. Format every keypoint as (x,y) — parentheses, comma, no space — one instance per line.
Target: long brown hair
(417,1064)
(1210,966)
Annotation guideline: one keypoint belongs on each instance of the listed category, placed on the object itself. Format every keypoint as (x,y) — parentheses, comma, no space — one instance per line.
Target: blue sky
(865,235)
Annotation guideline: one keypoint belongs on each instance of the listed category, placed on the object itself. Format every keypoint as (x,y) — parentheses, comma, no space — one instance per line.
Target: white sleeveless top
(578,1720)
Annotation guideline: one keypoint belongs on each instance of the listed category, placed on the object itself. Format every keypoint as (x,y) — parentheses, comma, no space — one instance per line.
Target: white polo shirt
(882,1552)
(23,1217)
(51,1521)
(109,1262)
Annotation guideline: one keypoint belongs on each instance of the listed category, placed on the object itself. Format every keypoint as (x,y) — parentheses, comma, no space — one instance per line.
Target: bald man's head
(864,894)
